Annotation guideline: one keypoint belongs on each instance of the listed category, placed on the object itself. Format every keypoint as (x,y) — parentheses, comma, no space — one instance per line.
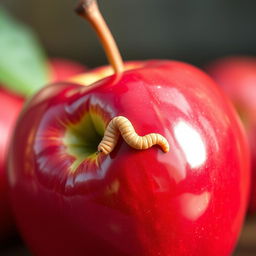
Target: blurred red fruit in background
(237,76)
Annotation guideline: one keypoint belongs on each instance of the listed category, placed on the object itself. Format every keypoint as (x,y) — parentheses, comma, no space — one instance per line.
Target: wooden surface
(246,246)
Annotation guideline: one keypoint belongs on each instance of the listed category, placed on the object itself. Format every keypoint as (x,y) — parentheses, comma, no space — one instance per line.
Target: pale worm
(121,125)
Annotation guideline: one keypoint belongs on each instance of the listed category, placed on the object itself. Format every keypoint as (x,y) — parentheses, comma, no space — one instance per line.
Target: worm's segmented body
(121,125)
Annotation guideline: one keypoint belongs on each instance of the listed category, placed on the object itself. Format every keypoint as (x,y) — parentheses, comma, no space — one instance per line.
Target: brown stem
(89,10)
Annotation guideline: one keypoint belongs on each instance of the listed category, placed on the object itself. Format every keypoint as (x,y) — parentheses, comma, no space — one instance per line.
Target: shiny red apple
(11,104)
(190,201)
(237,76)
(71,199)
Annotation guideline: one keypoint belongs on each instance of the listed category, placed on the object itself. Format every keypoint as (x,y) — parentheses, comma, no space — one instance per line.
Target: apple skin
(237,76)
(60,69)
(189,201)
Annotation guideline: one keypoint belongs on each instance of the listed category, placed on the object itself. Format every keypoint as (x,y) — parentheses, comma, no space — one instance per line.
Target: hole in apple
(83,137)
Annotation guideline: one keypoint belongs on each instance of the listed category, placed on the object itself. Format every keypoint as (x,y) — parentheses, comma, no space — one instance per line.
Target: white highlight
(191,143)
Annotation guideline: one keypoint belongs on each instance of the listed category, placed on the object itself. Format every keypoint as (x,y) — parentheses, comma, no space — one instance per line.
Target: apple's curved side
(189,201)
(10,107)
(237,76)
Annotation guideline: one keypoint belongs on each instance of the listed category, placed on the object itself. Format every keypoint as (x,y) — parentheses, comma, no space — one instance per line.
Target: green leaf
(23,67)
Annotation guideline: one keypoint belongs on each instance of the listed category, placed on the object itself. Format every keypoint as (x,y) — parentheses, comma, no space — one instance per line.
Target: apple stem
(89,10)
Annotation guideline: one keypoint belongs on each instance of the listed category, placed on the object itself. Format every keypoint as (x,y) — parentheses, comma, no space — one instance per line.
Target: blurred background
(193,31)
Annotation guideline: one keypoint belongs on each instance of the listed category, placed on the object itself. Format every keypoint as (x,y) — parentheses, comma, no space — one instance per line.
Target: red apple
(237,76)
(71,199)
(191,200)
(11,105)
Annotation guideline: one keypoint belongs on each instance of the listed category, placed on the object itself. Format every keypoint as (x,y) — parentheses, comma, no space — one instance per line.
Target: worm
(121,125)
